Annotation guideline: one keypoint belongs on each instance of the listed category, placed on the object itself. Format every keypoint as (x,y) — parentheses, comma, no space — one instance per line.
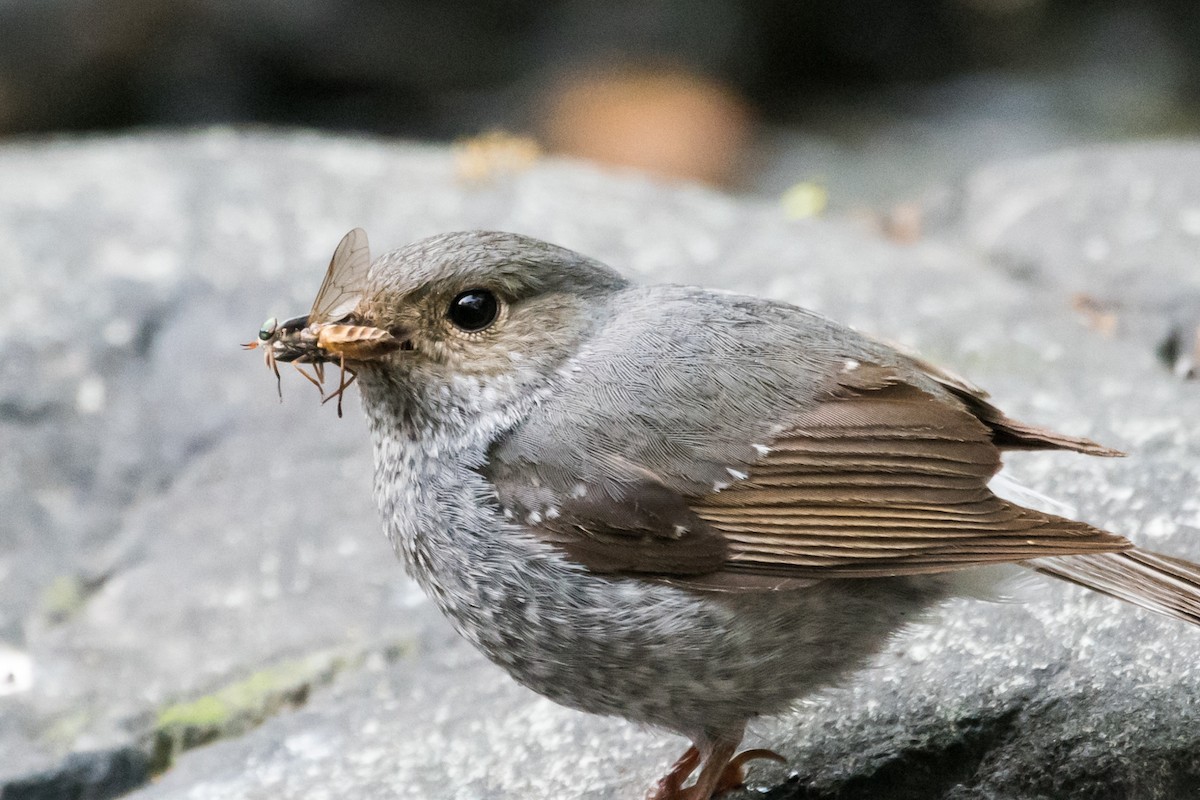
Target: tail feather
(1163,584)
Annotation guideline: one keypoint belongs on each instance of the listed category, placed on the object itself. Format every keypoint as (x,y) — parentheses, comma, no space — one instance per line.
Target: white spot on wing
(736,474)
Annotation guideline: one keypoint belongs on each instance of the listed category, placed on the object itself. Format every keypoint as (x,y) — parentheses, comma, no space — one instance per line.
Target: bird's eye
(268,329)
(473,310)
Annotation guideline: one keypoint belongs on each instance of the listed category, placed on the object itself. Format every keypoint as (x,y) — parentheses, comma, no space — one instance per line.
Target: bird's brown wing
(877,478)
(635,525)
(883,478)
(1008,433)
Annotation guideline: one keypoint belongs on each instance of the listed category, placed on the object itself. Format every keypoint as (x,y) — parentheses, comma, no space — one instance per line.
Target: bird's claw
(733,776)
(670,786)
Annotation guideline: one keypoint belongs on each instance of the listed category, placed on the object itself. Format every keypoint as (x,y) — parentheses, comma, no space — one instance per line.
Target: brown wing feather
(880,478)
(883,479)
(1008,433)
(632,525)
(1166,585)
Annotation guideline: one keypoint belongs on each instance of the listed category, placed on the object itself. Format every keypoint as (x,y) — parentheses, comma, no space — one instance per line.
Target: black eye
(474,309)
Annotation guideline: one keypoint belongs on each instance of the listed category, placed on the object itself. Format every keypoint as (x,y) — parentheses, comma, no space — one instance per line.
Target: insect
(328,332)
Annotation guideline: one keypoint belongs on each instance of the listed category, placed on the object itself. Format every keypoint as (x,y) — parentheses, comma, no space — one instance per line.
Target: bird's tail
(1167,585)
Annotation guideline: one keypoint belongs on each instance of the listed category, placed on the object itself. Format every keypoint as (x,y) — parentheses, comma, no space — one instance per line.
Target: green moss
(238,707)
(212,711)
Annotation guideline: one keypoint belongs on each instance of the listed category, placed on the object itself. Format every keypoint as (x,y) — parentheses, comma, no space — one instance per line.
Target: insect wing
(343,284)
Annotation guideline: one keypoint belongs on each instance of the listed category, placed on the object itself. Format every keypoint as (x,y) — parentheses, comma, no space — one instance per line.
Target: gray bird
(681,507)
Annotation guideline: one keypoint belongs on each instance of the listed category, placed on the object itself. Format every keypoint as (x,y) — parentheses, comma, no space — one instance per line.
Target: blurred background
(843,102)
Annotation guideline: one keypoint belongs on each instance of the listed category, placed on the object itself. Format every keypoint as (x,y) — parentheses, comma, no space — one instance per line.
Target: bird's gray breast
(686,660)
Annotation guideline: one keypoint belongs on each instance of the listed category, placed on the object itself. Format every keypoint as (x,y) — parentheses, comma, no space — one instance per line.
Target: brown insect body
(343,342)
(354,342)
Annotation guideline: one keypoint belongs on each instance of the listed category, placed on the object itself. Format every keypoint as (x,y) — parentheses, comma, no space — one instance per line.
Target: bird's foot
(670,786)
(732,776)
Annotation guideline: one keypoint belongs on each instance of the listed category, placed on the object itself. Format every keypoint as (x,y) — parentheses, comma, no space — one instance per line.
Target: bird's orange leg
(722,771)
(716,758)
(670,786)
(734,775)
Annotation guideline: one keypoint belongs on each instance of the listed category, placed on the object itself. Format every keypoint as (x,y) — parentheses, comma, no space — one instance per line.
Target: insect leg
(269,355)
(341,384)
(310,378)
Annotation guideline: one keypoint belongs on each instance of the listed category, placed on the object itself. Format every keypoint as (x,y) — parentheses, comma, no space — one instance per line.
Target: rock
(186,561)
(92,775)
(1109,226)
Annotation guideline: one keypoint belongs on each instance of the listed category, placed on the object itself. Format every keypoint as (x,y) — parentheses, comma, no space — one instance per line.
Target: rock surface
(183,559)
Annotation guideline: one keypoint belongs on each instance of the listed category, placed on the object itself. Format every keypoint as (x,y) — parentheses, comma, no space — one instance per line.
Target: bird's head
(483,303)
(477,318)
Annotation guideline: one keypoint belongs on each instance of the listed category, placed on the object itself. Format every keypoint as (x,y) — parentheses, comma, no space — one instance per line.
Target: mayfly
(328,332)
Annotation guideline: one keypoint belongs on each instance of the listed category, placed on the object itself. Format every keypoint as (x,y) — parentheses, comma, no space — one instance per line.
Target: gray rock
(184,559)
(1115,228)
(92,775)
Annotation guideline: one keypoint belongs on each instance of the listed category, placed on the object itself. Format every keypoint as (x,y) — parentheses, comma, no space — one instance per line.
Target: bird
(683,507)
